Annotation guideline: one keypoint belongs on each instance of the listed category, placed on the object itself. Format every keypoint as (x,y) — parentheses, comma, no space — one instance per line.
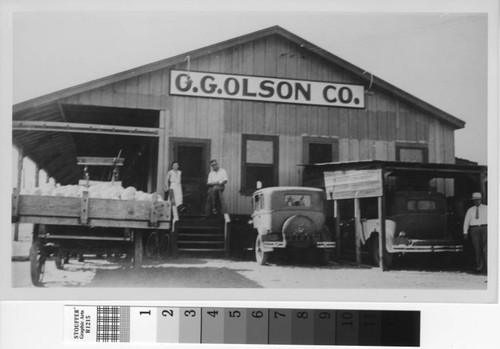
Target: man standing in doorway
(475,224)
(217,179)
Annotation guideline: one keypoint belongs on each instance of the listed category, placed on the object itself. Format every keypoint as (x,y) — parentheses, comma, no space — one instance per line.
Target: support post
(20,159)
(150,166)
(381,236)
(84,208)
(37,176)
(161,171)
(337,227)
(357,229)
(484,190)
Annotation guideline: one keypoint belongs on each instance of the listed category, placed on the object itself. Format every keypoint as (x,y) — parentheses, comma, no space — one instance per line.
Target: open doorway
(140,153)
(193,158)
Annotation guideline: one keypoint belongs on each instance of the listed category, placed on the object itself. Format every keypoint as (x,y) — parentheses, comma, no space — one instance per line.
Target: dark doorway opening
(140,168)
(193,158)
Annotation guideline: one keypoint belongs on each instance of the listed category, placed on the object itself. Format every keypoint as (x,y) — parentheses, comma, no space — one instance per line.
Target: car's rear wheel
(260,256)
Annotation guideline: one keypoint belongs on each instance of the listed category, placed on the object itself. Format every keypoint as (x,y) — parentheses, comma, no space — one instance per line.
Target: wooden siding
(363,134)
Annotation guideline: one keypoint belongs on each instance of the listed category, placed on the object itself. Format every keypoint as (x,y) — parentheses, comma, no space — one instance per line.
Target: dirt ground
(191,271)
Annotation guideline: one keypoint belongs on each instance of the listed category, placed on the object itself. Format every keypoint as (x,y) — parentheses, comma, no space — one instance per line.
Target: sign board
(266,89)
(354,184)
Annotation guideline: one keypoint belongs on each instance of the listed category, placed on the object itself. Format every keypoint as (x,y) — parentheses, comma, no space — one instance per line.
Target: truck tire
(153,245)
(164,245)
(37,262)
(260,256)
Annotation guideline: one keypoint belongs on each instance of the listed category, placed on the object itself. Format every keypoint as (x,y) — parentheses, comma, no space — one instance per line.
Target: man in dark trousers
(476,225)
(217,179)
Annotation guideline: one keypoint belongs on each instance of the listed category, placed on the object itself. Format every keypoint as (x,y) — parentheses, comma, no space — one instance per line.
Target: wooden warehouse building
(261,104)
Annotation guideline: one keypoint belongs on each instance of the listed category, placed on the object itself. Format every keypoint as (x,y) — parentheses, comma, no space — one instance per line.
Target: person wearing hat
(475,224)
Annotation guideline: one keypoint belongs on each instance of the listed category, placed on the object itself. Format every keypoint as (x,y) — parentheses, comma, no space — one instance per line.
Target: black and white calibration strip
(265,326)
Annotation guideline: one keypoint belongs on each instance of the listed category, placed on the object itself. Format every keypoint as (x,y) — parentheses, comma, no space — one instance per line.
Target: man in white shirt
(476,224)
(217,179)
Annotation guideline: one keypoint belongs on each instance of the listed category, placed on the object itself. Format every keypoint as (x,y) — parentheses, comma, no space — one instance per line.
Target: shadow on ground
(203,277)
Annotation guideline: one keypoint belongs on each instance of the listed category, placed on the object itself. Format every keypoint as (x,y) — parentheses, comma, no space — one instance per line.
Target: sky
(439,57)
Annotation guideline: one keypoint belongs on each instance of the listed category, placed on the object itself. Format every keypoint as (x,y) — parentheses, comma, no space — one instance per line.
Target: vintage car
(290,218)
(416,223)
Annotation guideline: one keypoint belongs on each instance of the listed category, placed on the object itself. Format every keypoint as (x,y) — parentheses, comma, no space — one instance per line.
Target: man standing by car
(475,224)
(217,179)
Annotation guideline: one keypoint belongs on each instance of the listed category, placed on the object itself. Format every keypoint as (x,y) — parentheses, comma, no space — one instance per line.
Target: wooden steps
(199,234)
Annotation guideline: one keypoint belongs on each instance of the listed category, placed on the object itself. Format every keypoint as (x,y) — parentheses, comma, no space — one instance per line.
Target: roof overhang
(395,168)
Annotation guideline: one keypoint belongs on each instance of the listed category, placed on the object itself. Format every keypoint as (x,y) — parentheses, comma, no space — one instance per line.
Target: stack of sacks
(47,189)
(128,193)
(96,191)
(142,196)
(104,191)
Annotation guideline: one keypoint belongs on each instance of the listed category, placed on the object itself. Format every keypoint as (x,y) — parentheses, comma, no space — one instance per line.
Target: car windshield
(421,205)
(298,200)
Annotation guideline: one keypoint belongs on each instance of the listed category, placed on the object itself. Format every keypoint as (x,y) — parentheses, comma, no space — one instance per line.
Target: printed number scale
(137,324)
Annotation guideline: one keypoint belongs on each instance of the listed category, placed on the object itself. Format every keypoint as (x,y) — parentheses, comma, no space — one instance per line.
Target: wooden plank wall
(366,134)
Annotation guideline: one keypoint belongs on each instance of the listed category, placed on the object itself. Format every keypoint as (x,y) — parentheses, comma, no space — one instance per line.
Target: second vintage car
(290,218)
(417,223)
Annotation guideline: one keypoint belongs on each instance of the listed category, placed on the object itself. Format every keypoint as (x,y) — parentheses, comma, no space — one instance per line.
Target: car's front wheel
(260,256)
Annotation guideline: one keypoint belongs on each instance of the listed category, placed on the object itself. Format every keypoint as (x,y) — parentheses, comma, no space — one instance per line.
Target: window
(298,200)
(421,205)
(259,162)
(412,152)
(258,202)
(318,150)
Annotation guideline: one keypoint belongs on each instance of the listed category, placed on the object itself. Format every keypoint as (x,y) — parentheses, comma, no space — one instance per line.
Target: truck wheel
(261,256)
(164,245)
(388,258)
(153,245)
(37,263)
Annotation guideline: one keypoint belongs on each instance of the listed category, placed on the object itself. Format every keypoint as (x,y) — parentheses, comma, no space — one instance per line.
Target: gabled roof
(275,30)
